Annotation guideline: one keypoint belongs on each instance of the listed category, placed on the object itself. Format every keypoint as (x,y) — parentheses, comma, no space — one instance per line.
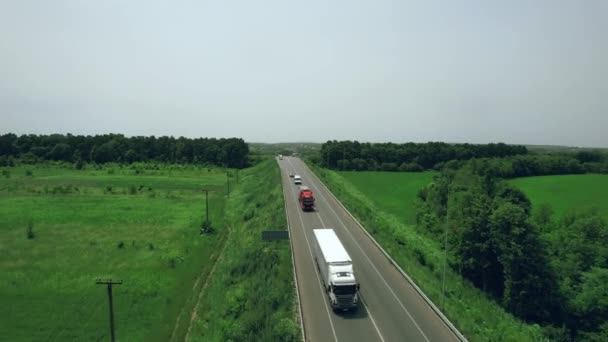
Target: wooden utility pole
(228,181)
(206,205)
(109,283)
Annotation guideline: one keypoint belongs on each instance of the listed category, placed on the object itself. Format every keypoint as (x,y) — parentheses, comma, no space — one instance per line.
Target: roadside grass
(567,193)
(393,192)
(87,224)
(476,315)
(251,296)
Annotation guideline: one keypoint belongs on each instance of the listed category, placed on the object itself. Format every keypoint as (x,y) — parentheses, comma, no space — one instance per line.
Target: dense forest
(232,152)
(502,160)
(543,270)
(353,155)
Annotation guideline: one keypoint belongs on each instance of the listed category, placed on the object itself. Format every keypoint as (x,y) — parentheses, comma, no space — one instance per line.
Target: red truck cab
(306,199)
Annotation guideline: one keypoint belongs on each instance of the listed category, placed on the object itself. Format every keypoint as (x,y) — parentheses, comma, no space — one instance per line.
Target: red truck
(306,198)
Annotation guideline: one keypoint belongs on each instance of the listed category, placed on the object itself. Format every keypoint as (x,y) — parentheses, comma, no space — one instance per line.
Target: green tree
(530,288)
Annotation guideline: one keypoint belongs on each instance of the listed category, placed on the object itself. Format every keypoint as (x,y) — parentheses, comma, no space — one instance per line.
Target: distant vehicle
(295,154)
(306,199)
(297,179)
(280,157)
(291,175)
(336,269)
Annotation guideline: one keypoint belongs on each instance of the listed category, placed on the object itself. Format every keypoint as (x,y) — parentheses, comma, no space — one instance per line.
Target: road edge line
(438,312)
(293,262)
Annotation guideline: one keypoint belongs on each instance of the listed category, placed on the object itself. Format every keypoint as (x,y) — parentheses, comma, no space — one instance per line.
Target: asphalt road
(392,310)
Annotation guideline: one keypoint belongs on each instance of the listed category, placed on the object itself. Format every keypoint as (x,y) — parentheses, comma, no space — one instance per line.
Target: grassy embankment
(567,193)
(138,225)
(251,296)
(475,314)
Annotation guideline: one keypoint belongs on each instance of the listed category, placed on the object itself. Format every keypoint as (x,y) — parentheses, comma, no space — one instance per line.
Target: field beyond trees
(567,193)
(393,192)
(61,229)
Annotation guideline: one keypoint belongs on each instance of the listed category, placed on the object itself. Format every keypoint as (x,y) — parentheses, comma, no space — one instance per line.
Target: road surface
(390,308)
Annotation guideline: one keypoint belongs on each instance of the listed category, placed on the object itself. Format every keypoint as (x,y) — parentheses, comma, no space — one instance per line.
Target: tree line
(500,160)
(353,155)
(231,152)
(543,270)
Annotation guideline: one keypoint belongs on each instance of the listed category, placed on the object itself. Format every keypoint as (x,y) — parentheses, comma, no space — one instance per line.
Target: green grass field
(567,193)
(138,226)
(393,192)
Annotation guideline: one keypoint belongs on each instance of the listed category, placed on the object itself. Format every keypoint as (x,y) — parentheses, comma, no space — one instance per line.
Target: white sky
(530,71)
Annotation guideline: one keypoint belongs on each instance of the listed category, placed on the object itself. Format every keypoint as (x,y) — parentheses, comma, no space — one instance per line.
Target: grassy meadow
(393,192)
(478,317)
(131,223)
(567,193)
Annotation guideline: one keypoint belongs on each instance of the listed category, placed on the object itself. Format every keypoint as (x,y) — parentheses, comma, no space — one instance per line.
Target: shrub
(29,173)
(121,245)
(249,215)
(79,165)
(30,230)
(132,190)
(207,228)
(6,173)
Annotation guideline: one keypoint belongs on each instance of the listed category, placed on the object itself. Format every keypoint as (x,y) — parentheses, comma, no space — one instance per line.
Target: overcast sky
(531,72)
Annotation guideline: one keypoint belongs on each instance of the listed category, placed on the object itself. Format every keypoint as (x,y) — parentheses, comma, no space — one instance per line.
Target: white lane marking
(333,330)
(369,260)
(362,302)
(372,318)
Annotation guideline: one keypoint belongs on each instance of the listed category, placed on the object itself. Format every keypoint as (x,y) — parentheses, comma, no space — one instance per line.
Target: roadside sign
(273,235)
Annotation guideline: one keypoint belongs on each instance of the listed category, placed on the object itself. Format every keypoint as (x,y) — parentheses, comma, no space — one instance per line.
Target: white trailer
(336,270)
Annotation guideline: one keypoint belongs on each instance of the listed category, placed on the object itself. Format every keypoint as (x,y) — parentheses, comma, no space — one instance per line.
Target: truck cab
(343,287)
(306,198)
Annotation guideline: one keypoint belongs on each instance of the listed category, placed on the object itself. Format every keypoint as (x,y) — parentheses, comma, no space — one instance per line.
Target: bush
(207,228)
(29,173)
(121,245)
(79,165)
(7,161)
(248,215)
(410,167)
(6,173)
(132,190)
(30,231)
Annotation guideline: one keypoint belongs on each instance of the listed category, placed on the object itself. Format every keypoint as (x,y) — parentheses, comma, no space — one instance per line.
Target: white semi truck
(336,270)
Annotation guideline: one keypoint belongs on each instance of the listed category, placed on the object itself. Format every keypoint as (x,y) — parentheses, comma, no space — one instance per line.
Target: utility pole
(445,247)
(228,181)
(109,283)
(206,205)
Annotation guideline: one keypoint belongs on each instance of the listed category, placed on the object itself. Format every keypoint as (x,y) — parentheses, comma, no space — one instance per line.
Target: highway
(391,308)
